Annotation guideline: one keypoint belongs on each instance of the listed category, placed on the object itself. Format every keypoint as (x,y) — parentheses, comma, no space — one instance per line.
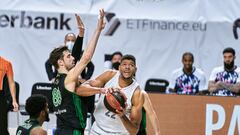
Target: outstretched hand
(101,22)
(80,25)
(109,90)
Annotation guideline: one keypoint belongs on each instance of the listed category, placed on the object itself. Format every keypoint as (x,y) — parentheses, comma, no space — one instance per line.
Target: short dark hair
(35,104)
(188,53)
(229,50)
(129,57)
(116,53)
(57,54)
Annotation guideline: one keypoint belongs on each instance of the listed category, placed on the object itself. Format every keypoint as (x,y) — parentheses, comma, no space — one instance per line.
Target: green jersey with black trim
(67,106)
(27,126)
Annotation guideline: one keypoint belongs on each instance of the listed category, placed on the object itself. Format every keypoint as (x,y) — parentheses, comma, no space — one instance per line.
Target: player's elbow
(134,131)
(80,91)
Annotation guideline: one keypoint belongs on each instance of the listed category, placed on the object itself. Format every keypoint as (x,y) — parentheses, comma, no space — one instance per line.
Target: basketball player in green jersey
(67,104)
(37,108)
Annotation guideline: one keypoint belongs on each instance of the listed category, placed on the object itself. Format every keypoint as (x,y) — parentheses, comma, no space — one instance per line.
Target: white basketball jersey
(108,121)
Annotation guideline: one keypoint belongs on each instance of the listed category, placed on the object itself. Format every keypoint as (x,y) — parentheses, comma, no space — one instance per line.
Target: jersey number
(110,115)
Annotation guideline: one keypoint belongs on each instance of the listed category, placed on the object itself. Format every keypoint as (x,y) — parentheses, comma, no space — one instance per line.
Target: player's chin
(127,76)
(70,67)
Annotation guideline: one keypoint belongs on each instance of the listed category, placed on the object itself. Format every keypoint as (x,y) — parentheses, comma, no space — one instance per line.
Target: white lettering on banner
(157,83)
(234,120)
(44,88)
(210,126)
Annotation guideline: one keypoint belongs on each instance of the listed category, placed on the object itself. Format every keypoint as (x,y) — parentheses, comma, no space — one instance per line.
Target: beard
(229,66)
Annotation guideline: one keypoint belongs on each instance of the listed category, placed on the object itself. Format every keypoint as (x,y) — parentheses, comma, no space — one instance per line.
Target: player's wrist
(102,90)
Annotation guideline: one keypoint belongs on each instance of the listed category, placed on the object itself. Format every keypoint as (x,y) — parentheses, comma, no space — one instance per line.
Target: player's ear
(42,113)
(60,62)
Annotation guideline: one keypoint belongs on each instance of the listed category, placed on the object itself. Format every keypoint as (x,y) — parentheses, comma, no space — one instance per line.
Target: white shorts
(97,130)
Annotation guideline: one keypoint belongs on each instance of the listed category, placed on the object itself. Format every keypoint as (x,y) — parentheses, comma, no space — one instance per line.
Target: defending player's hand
(109,90)
(80,24)
(101,22)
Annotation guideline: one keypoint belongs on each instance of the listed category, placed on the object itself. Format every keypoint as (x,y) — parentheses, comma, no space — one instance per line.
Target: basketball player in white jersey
(127,120)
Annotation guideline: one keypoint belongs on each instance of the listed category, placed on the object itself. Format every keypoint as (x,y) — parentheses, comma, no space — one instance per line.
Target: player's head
(37,107)
(187,60)
(127,66)
(61,58)
(228,58)
(116,59)
(69,40)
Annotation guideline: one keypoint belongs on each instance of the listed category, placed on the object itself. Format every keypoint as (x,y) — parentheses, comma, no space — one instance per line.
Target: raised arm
(89,51)
(77,48)
(132,124)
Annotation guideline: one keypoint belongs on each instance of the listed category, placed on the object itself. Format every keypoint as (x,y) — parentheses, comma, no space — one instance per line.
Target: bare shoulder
(138,97)
(38,131)
(144,93)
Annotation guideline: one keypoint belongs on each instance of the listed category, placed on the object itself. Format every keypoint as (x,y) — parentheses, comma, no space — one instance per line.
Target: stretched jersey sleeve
(5,69)
(213,75)
(9,70)
(172,82)
(203,82)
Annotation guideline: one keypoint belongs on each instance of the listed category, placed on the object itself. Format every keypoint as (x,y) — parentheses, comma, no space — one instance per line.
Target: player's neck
(62,70)
(124,82)
(40,121)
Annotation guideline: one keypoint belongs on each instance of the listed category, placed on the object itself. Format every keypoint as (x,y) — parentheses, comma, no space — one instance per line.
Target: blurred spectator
(225,80)
(188,79)
(6,69)
(114,61)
